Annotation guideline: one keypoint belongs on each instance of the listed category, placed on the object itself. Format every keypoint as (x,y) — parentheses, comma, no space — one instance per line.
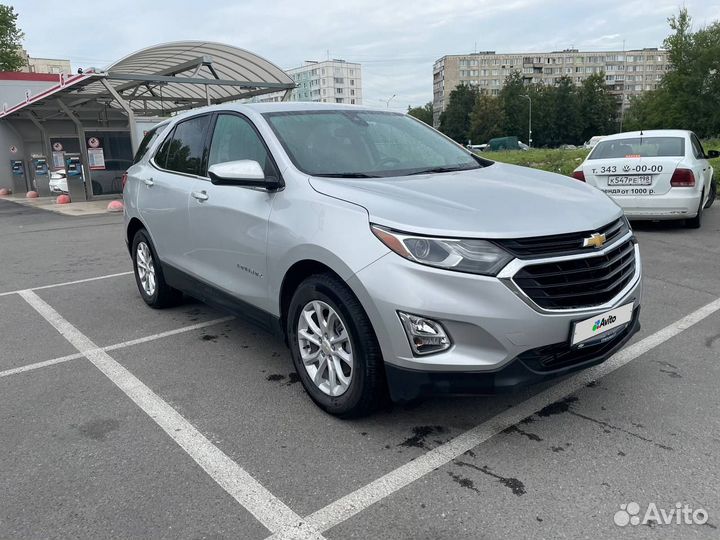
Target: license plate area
(598,327)
(630,180)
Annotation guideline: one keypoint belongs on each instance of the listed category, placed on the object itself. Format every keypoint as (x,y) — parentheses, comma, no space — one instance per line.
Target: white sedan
(58,182)
(653,175)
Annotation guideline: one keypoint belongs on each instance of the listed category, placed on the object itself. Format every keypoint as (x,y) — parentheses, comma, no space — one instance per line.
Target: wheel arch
(132,228)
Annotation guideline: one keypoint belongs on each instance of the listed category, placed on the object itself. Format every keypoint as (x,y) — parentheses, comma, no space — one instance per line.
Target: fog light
(425,335)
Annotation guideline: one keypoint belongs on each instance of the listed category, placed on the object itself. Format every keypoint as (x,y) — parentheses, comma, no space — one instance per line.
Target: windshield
(639,147)
(357,144)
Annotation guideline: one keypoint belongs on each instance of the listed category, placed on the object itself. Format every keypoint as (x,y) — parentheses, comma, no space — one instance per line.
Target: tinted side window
(185,151)
(162,153)
(147,141)
(697,147)
(234,139)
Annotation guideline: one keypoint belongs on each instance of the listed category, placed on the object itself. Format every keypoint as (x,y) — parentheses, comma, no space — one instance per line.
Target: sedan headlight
(462,255)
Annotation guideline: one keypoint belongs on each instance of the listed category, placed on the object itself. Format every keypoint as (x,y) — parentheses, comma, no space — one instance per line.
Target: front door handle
(200,195)
(148,182)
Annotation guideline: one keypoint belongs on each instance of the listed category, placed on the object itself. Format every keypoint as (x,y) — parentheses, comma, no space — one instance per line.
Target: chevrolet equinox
(390,258)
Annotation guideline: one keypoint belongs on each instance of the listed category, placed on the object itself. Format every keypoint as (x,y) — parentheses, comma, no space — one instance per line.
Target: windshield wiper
(346,175)
(440,170)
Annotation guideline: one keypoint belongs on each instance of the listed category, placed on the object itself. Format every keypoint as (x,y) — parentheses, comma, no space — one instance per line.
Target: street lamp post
(387,103)
(529,120)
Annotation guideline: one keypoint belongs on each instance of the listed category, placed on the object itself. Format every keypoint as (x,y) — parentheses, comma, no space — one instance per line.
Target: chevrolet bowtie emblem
(596,240)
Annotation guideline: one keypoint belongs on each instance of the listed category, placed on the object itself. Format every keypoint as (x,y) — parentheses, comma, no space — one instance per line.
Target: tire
(713,193)
(366,389)
(696,222)
(160,294)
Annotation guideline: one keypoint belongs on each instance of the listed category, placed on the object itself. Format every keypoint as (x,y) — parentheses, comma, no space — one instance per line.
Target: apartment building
(45,65)
(626,73)
(329,81)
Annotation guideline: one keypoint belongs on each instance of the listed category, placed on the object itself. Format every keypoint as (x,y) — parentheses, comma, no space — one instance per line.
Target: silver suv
(389,257)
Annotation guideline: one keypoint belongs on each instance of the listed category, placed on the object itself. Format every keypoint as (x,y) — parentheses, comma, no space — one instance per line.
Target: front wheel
(334,347)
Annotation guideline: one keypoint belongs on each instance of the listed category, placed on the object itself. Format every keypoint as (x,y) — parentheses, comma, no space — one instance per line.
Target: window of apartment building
(568,70)
(495,92)
(339,80)
(352,82)
(338,90)
(338,100)
(352,102)
(351,72)
(323,92)
(352,92)
(322,71)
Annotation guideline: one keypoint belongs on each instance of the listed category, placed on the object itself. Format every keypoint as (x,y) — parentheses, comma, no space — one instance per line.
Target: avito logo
(603,322)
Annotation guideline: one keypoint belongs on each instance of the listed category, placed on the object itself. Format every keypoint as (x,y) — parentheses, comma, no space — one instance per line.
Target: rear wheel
(696,222)
(334,348)
(713,193)
(149,275)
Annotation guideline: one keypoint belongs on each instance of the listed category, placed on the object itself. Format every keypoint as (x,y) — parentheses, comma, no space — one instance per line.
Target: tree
(598,107)
(514,106)
(688,96)
(11,58)
(424,113)
(486,118)
(455,120)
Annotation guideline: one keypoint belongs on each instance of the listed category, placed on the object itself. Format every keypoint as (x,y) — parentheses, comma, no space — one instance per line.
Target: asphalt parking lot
(120,421)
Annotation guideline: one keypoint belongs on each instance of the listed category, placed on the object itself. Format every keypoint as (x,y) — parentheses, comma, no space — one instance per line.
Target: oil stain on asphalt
(517,487)
(420,434)
(98,429)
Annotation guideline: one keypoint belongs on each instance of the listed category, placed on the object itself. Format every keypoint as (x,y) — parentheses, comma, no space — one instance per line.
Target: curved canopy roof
(180,70)
(160,80)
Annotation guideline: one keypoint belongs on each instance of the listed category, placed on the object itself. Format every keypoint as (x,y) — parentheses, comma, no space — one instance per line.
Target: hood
(498,201)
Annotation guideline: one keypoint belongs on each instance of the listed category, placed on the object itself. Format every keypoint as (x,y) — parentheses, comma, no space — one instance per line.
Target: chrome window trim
(507,274)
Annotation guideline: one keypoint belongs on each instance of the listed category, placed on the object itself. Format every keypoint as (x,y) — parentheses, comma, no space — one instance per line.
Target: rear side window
(184,149)
(697,147)
(147,142)
(639,147)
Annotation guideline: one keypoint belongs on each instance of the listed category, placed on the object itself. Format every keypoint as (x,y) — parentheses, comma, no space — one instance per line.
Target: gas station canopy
(157,81)
(86,127)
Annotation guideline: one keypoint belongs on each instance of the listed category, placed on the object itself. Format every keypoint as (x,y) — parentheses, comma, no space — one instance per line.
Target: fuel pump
(19,183)
(41,175)
(75,178)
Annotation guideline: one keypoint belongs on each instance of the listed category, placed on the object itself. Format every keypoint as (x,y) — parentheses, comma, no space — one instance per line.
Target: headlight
(461,255)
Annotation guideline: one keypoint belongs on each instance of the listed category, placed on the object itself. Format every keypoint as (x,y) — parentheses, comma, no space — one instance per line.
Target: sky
(396,42)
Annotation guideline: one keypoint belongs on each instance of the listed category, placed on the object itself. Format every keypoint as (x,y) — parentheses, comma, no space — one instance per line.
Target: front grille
(561,244)
(562,355)
(579,283)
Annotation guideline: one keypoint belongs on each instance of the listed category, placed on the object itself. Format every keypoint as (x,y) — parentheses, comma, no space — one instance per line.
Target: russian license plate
(630,180)
(596,326)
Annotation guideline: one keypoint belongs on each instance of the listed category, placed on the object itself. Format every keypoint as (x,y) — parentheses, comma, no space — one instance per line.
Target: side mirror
(244,172)
(712,154)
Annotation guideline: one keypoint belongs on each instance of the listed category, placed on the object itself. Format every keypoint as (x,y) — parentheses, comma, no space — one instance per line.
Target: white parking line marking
(122,345)
(353,503)
(8,293)
(268,509)
(38,365)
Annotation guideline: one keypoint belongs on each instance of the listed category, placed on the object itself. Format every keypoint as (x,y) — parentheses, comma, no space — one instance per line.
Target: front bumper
(490,322)
(524,370)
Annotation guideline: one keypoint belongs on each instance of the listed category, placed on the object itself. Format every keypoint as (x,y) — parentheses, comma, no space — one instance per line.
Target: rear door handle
(148,182)
(200,195)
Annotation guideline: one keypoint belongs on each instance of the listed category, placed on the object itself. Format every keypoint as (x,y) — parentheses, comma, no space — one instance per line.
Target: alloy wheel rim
(325,348)
(146,268)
